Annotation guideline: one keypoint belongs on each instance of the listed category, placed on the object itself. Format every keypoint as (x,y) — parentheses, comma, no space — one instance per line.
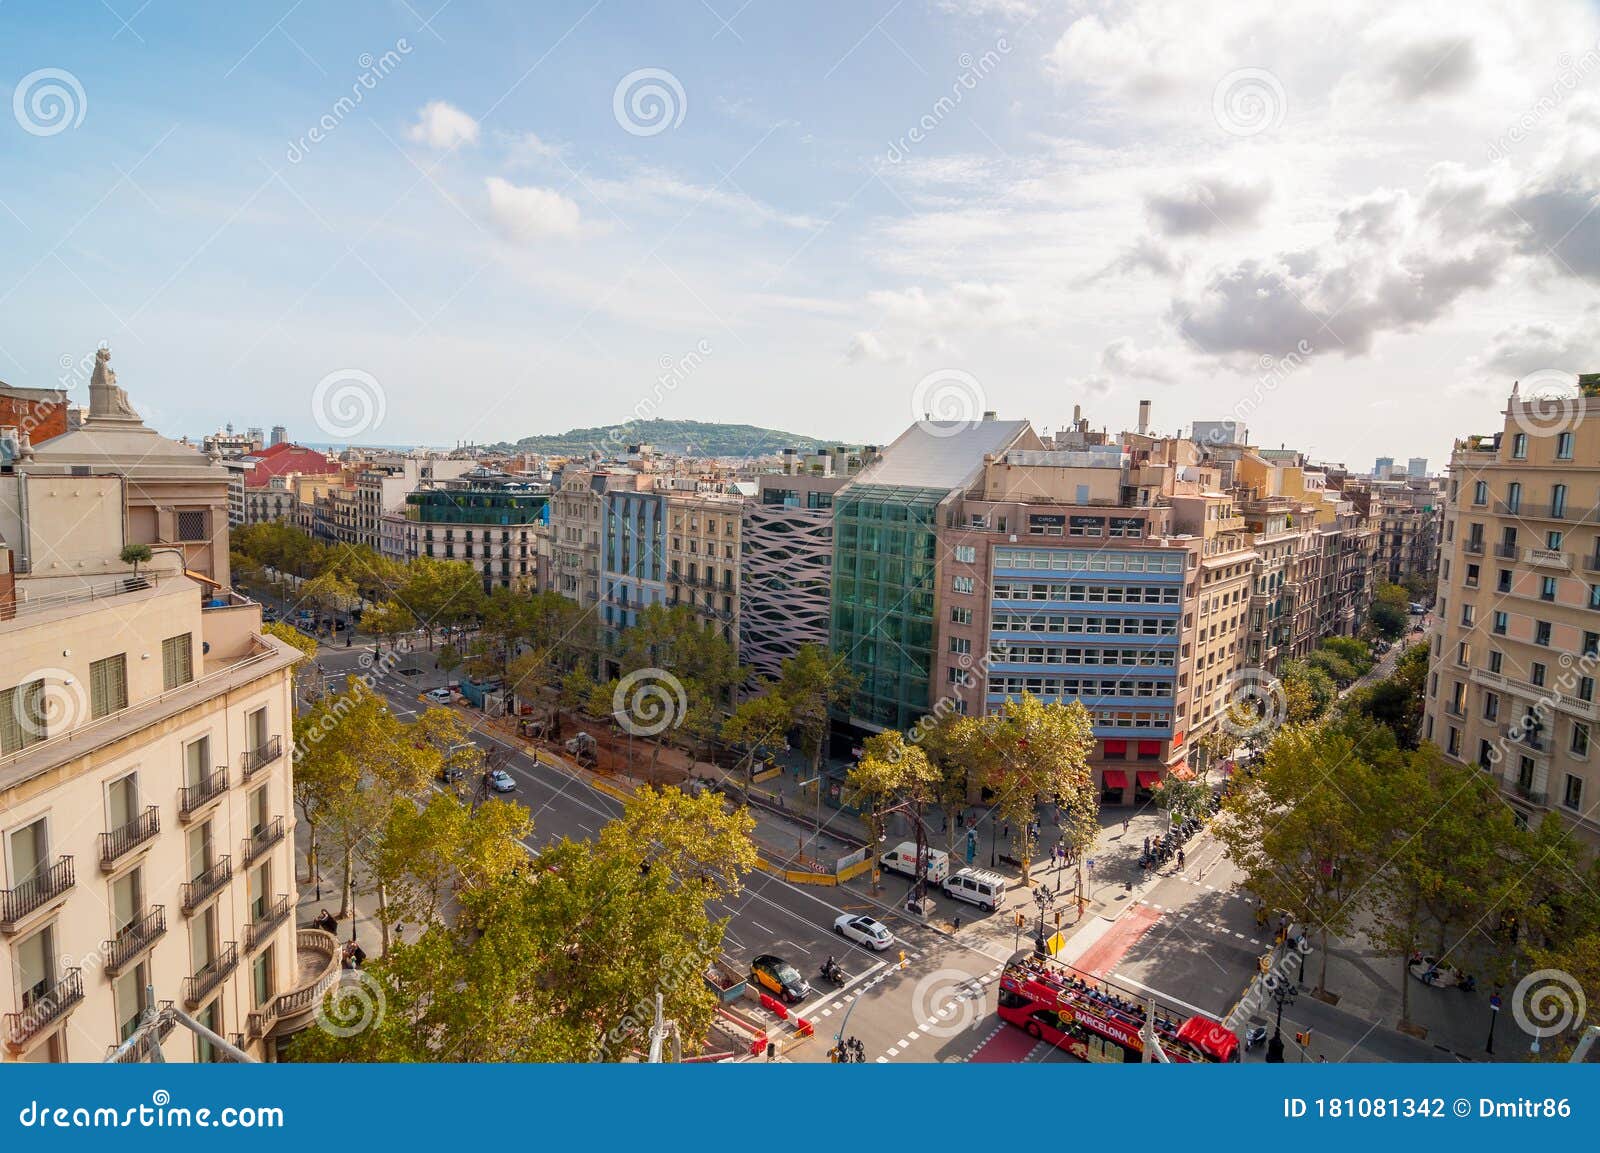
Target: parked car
(1416,609)
(864,931)
(779,978)
(977,886)
(438,696)
(449,774)
(501,781)
(936,862)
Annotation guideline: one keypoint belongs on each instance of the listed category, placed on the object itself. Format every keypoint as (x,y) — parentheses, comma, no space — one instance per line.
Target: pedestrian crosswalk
(1201,922)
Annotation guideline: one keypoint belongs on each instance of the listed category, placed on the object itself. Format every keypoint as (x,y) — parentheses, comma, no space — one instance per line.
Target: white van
(978,886)
(901,858)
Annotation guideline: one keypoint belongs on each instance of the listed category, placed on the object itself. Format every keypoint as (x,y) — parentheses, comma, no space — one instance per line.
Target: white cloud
(1209,204)
(1124,358)
(528,149)
(528,213)
(442,125)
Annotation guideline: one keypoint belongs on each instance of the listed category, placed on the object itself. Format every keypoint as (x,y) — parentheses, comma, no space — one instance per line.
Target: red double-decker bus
(1095,1020)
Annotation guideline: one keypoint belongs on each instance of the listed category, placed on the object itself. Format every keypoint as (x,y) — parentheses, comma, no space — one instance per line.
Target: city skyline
(989,205)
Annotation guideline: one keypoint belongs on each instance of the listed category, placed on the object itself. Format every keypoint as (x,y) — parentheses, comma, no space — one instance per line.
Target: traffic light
(1058,918)
(1303,1039)
(1021,920)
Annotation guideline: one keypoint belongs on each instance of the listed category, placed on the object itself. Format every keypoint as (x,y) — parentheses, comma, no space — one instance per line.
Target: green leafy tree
(889,772)
(1307,827)
(388,620)
(814,682)
(443,851)
(1031,752)
(440,593)
(757,723)
(135,555)
(1309,692)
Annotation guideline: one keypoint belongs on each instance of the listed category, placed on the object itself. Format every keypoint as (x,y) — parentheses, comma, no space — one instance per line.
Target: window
(1572,796)
(1586,688)
(1480,492)
(22,717)
(1553,539)
(1491,706)
(966,554)
(108,685)
(1564,446)
(963,584)
(1541,633)
(1468,612)
(1453,744)
(1464,654)
(211,1018)
(1485,755)
(1472,576)
(128,991)
(1594,596)
(1558,500)
(192,524)
(1591,644)
(1505,581)
(1580,739)
(197,762)
(1536,673)
(1501,623)
(177,661)
(960,616)
(960,645)
(1519,446)
(1496,657)
(1514,496)
(261,978)
(1547,590)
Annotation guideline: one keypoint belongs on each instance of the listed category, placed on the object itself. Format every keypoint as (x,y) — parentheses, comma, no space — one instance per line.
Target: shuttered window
(177,661)
(22,719)
(108,685)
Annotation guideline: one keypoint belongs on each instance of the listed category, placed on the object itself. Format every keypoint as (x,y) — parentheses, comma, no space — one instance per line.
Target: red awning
(1116,779)
(1149,748)
(1148,780)
(1116,748)
(1182,771)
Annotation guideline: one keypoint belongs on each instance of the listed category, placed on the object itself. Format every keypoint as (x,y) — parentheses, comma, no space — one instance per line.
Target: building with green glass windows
(886,560)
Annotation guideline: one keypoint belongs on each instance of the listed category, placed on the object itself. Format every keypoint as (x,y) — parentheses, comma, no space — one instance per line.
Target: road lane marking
(1124,979)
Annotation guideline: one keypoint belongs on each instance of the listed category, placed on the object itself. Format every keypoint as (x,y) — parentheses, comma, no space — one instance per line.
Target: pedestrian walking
(1147,846)
(1127,823)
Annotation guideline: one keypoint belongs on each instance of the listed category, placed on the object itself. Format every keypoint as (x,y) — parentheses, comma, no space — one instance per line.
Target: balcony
(1547,558)
(198,987)
(1527,793)
(134,939)
(259,931)
(317,956)
(45,1011)
(1506,551)
(254,760)
(1473,547)
(120,842)
(145,1048)
(31,896)
(254,846)
(195,893)
(1528,739)
(1591,563)
(193,799)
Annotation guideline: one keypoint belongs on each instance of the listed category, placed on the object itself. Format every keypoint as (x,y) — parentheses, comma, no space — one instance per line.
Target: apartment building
(484,518)
(577,513)
(703,554)
(1515,645)
(36,413)
(1405,520)
(145,789)
(632,550)
(786,556)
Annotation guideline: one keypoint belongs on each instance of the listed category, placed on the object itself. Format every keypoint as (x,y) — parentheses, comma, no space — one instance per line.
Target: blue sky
(851,213)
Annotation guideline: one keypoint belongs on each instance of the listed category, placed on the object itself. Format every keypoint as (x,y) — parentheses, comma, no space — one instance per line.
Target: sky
(1350,225)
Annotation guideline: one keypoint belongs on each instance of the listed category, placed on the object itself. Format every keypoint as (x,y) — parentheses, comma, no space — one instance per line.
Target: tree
(562,961)
(889,772)
(941,741)
(1397,700)
(135,555)
(815,682)
(1183,799)
(757,723)
(1030,752)
(388,620)
(440,592)
(1309,692)
(305,669)
(1306,828)
(330,593)
(430,854)
(1390,611)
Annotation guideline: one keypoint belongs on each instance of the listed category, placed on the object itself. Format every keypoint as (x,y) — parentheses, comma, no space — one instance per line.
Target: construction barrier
(611,790)
(803,1027)
(767,774)
(795,876)
(854,870)
(773,1005)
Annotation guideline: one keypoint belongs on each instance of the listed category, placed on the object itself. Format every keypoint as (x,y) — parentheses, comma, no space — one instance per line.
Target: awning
(202,578)
(1116,748)
(1149,748)
(1148,780)
(1182,771)
(1116,779)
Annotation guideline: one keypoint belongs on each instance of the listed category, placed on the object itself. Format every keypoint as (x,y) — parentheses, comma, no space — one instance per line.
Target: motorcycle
(832,971)
(1255,1035)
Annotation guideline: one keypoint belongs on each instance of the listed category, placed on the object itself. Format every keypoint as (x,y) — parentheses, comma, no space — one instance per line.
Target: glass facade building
(885,561)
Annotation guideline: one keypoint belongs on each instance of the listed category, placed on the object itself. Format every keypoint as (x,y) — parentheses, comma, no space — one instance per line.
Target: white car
(438,696)
(502,782)
(874,935)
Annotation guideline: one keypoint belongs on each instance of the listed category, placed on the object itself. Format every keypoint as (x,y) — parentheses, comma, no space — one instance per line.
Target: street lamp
(1283,994)
(1494,1015)
(1044,898)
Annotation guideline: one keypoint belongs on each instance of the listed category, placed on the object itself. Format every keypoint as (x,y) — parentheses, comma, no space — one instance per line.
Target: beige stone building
(703,558)
(1515,645)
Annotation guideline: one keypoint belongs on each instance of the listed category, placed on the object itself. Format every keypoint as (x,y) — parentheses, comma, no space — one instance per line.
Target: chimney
(1144,418)
(989,414)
